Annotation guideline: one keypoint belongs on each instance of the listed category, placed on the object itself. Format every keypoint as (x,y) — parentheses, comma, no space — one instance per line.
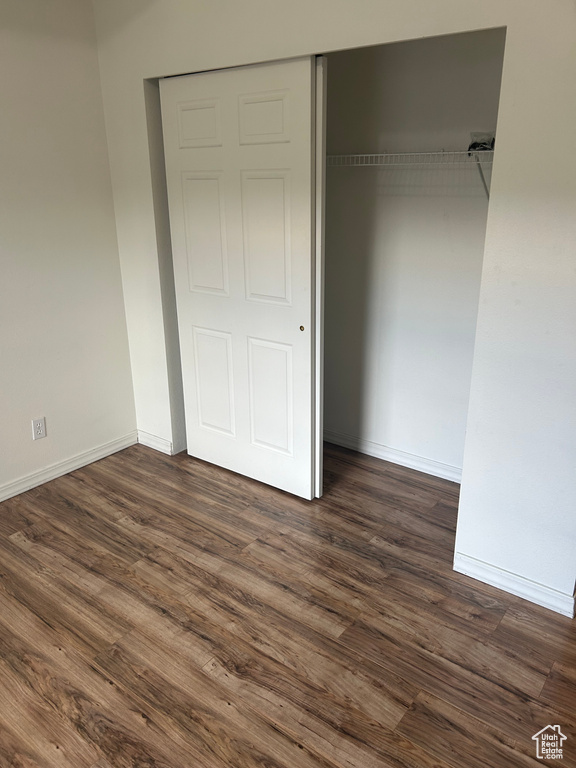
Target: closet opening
(406,212)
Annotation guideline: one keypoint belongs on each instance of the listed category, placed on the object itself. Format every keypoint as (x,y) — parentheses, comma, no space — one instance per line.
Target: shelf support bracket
(481,172)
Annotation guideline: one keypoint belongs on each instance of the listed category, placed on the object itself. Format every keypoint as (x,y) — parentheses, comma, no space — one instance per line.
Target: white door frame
(319,259)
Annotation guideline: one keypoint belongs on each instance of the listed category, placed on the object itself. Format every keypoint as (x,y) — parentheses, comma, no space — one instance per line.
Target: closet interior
(406,211)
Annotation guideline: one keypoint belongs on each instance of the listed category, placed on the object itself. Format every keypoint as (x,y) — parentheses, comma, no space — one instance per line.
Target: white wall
(518,478)
(404,247)
(63,341)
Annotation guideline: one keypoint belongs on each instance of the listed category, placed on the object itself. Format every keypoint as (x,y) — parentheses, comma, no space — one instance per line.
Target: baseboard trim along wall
(515,584)
(157,443)
(429,466)
(34,479)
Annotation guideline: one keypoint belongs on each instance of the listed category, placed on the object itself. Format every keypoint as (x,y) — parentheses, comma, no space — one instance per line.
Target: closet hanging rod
(412,159)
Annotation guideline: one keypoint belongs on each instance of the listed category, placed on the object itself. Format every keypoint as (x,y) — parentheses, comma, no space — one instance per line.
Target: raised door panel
(271,395)
(214,380)
(266,221)
(199,123)
(264,117)
(205,223)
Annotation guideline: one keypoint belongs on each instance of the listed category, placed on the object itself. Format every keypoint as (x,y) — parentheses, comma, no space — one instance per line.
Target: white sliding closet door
(239,147)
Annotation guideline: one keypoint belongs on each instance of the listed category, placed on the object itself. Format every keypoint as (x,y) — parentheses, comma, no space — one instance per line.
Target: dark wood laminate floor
(158,611)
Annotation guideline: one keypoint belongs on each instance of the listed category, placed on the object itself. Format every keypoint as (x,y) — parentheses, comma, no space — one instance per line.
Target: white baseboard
(429,466)
(515,584)
(157,443)
(30,481)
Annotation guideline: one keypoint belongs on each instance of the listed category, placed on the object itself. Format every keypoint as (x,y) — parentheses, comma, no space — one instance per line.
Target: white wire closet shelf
(413,159)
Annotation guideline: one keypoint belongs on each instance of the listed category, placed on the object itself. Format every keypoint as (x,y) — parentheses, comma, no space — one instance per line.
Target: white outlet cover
(38,428)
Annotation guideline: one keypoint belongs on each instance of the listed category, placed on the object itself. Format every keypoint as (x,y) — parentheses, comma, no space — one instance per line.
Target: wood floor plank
(191,499)
(207,716)
(296,600)
(59,603)
(77,561)
(378,469)
(458,640)
(157,616)
(494,704)
(362,575)
(414,550)
(446,735)
(267,677)
(218,606)
(16,753)
(303,604)
(337,588)
(30,718)
(547,636)
(15,515)
(336,734)
(560,692)
(230,489)
(359,557)
(450,594)
(373,515)
(449,640)
(66,511)
(158,611)
(404,488)
(90,493)
(97,709)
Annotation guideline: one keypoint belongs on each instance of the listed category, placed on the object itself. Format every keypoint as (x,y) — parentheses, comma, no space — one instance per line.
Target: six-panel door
(239,160)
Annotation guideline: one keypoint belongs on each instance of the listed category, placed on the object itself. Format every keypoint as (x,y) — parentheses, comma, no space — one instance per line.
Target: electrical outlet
(39,428)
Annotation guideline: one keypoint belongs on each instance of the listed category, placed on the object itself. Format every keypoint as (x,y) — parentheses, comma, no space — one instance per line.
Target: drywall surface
(404,246)
(519,486)
(63,341)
